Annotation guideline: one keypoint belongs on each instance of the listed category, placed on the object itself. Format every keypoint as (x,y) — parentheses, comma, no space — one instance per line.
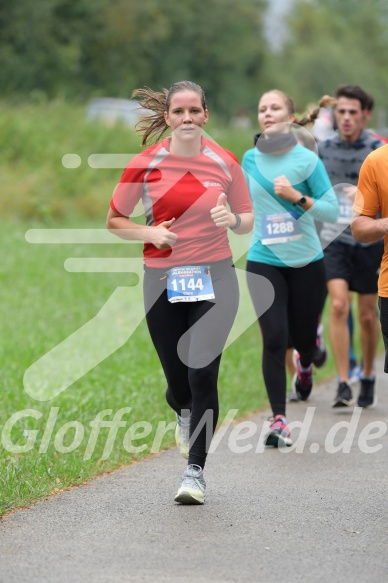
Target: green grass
(34,140)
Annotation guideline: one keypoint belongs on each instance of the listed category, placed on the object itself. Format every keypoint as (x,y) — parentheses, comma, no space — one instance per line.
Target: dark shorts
(359,266)
(383,305)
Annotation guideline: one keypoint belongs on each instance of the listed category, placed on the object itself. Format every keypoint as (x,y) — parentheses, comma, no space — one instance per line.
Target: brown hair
(153,126)
(310,116)
(355,92)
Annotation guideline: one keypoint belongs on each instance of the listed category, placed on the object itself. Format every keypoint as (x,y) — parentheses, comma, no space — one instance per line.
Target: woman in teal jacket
(290,190)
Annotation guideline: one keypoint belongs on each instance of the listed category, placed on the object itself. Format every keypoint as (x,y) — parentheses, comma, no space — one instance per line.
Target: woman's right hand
(161,237)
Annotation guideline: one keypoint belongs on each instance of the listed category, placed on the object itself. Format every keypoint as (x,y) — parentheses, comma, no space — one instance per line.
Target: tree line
(83,48)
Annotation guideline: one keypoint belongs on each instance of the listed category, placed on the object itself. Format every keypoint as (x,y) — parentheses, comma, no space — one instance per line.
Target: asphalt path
(316,512)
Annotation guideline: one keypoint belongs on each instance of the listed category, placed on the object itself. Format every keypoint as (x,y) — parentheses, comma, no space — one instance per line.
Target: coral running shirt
(186,188)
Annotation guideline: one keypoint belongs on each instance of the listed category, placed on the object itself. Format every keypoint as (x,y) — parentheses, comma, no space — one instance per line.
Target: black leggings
(293,316)
(383,305)
(190,346)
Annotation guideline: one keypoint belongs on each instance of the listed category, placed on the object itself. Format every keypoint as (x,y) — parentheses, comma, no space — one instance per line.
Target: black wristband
(238,222)
(302,200)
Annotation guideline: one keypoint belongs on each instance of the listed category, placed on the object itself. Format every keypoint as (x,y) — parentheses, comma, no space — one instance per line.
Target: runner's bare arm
(123,227)
(369,229)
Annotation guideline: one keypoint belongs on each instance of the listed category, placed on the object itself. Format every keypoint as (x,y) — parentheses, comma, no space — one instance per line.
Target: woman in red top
(190,285)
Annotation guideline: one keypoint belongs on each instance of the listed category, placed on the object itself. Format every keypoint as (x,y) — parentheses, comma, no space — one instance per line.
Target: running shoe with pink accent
(303,379)
(279,434)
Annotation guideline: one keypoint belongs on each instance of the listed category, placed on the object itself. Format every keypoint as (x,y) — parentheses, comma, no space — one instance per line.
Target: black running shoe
(320,356)
(344,397)
(366,398)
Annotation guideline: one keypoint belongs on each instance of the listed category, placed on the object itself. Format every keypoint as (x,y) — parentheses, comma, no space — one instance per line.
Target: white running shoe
(192,490)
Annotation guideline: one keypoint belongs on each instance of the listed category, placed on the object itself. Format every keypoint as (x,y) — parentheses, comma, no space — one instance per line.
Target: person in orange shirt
(370,222)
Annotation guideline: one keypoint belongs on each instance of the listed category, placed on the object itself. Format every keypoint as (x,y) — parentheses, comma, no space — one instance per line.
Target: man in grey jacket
(350,266)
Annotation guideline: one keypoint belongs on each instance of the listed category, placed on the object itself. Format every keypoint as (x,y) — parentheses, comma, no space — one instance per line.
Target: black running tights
(299,297)
(189,338)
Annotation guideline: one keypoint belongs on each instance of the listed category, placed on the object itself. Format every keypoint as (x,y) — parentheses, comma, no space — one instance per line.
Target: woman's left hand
(219,214)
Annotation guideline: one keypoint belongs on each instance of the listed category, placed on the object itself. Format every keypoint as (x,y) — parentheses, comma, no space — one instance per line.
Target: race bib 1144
(189,283)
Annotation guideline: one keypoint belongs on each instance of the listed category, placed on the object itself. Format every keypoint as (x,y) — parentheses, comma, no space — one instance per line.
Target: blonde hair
(310,116)
(153,126)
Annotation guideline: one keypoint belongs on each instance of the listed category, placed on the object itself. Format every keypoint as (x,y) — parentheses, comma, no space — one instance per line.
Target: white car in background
(112,111)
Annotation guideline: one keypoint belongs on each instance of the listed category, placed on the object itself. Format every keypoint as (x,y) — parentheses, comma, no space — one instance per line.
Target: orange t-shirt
(372,200)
